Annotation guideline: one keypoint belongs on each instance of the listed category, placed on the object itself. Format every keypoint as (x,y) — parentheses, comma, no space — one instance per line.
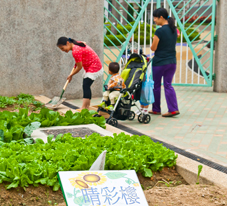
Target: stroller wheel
(131,115)
(140,118)
(112,121)
(146,118)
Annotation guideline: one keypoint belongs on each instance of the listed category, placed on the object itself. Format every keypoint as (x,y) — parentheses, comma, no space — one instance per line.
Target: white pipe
(151,25)
(186,81)
(138,38)
(193,64)
(145,31)
(132,49)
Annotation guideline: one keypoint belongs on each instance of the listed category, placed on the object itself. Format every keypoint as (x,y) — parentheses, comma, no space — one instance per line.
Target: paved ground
(201,127)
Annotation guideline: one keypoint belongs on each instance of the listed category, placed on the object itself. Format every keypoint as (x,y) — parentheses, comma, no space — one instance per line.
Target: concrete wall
(30,62)
(220,83)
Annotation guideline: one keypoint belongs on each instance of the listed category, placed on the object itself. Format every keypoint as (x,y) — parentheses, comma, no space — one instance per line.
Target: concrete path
(201,128)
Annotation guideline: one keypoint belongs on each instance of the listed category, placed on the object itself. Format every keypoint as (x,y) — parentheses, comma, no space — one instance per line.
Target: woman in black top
(164,62)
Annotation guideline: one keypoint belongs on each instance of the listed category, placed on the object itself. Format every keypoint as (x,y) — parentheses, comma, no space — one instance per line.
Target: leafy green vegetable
(14,124)
(23,164)
(6,101)
(20,100)
(25,99)
(31,127)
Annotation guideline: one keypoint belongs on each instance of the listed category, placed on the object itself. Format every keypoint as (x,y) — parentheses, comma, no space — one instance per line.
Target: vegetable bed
(22,164)
(13,124)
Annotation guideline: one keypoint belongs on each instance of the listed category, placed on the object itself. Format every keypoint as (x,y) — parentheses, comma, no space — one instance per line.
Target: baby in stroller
(113,88)
(132,75)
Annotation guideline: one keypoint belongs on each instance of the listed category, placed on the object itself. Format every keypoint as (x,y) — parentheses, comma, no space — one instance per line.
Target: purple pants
(167,72)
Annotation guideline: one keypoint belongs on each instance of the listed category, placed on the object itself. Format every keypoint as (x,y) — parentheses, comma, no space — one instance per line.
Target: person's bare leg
(86,104)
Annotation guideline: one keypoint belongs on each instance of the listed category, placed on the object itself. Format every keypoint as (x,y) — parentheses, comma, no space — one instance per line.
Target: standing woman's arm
(76,70)
(155,42)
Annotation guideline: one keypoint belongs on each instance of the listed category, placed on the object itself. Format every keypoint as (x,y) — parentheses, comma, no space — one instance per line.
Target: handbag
(147,94)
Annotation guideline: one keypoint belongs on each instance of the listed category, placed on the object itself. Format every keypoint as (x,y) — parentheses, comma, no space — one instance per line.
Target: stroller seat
(133,75)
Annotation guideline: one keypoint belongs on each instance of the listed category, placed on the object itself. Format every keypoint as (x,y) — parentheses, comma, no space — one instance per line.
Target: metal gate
(132,20)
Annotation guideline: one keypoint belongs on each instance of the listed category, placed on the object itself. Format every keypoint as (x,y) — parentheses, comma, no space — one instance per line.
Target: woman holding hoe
(164,62)
(84,57)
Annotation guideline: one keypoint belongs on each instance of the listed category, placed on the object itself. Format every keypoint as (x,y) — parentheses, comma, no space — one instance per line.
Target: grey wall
(30,61)
(220,83)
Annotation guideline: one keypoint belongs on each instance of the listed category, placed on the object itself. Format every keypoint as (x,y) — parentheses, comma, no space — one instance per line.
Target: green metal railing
(126,17)
(119,42)
(204,41)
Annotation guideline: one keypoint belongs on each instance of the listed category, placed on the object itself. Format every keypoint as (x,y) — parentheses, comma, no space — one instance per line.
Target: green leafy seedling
(200,167)
(142,187)
(47,194)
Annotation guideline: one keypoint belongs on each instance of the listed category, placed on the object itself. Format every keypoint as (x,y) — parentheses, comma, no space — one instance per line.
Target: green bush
(114,40)
(142,40)
(128,27)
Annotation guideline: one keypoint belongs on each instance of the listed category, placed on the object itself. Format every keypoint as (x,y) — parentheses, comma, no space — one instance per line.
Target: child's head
(114,68)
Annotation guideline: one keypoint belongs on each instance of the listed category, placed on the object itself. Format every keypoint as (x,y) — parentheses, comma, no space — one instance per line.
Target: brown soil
(187,195)
(38,196)
(14,108)
(176,192)
(76,132)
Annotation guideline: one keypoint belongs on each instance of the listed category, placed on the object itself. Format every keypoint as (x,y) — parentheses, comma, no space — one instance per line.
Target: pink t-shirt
(90,60)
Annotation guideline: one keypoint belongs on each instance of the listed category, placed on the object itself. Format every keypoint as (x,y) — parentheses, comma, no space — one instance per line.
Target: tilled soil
(165,188)
(187,195)
(43,195)
(15,108)
(76,132)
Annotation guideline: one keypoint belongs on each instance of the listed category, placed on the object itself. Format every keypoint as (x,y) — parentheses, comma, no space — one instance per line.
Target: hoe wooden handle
(67,82)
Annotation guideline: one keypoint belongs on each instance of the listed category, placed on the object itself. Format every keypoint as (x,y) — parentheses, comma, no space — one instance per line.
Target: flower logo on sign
(88,179)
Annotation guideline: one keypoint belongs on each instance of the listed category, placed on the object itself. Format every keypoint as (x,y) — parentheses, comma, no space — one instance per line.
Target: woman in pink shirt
(84,57)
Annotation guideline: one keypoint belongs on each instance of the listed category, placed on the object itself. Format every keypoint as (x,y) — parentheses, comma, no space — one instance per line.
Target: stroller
(133,75)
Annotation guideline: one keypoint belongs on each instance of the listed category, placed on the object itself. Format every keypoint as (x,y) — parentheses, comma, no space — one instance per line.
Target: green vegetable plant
(6,101)
(24,164)
(20,100)
(13,124)
(200,167)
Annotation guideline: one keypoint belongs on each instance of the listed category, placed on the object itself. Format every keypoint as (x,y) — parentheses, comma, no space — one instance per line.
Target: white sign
(102,188)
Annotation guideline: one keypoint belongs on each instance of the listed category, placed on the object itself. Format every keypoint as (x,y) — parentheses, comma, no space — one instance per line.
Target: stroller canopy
(134,71)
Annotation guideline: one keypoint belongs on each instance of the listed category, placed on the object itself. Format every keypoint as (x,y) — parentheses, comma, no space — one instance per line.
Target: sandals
(168,114)
(155,113)
(171,114)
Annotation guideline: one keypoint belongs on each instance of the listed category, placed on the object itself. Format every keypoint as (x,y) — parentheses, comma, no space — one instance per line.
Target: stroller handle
(151,59)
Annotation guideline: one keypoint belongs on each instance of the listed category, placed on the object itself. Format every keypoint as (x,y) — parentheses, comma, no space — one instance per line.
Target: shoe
(110,108)
(103,105)
(138,112)
(155,113)
(145,111)
(171,114)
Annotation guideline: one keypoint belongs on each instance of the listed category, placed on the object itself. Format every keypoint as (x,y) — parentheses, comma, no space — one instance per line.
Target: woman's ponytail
(76,42)
(171,24)
(63,41)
